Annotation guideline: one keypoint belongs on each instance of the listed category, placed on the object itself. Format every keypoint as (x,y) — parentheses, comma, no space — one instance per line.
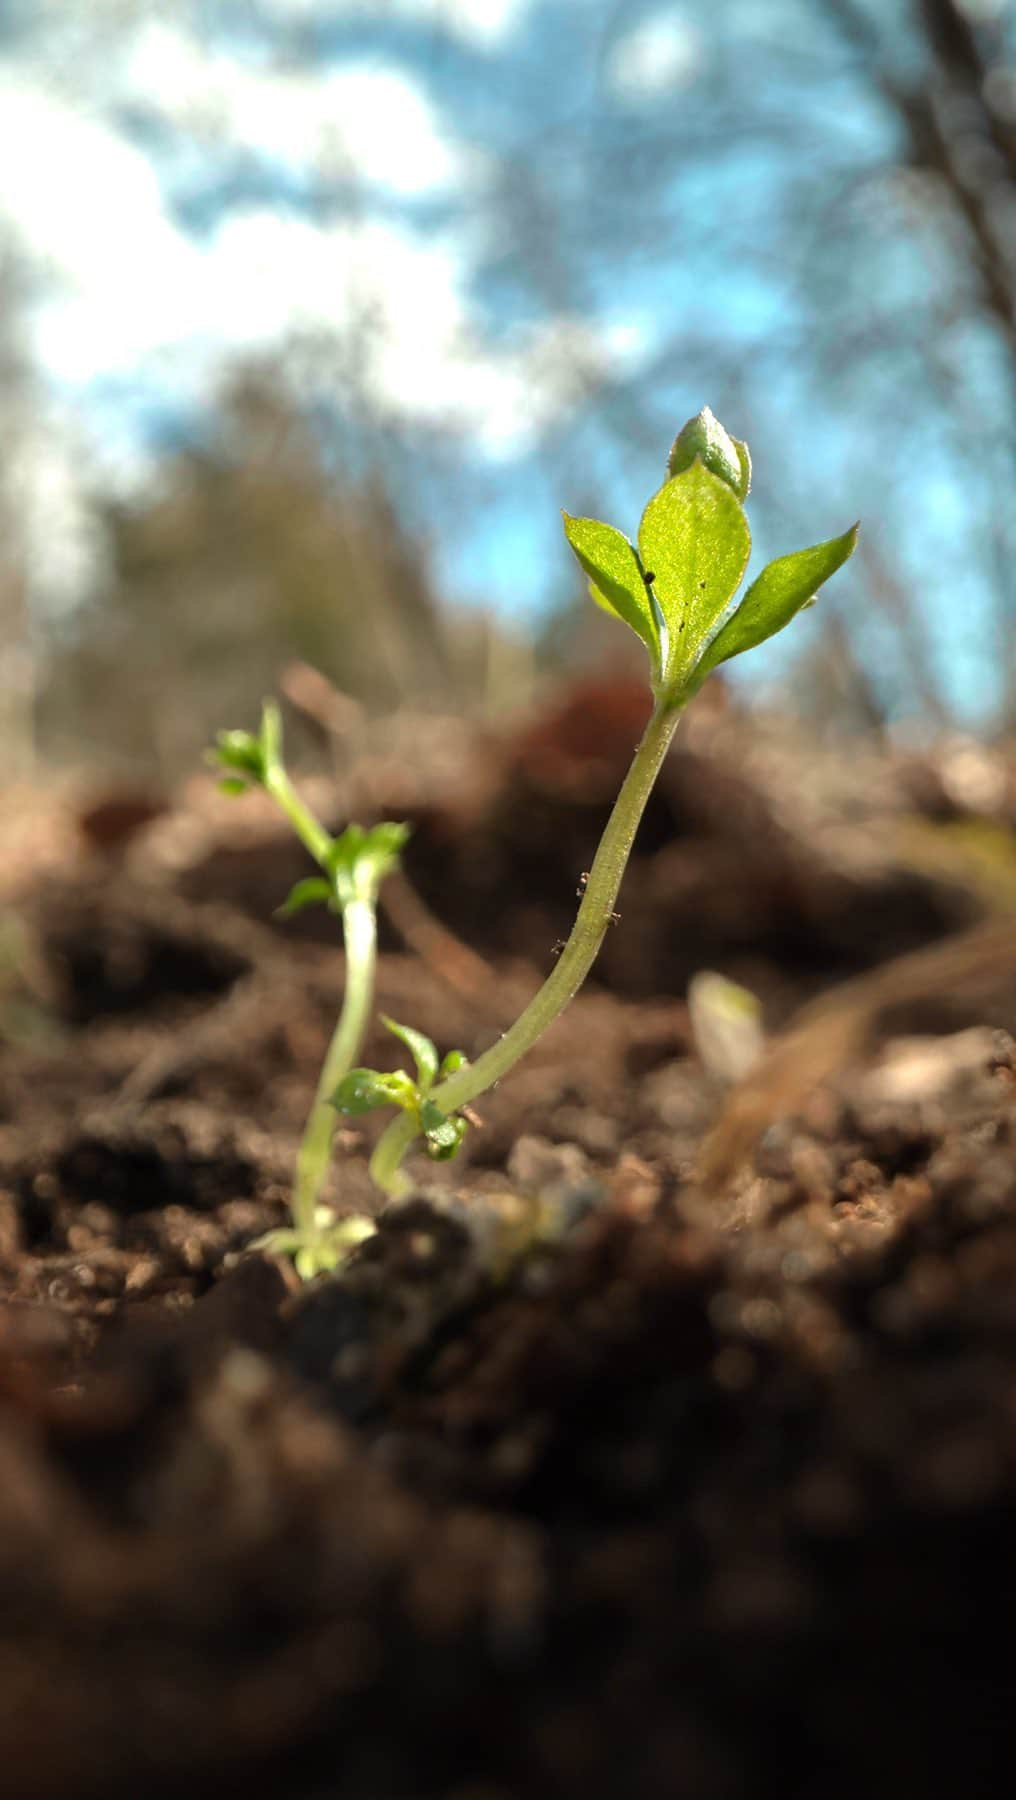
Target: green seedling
(353,866)
(363,1089)
(676,588)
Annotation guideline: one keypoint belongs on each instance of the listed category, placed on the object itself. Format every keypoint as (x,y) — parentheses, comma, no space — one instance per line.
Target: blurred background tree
(244,557)
(17,646)
(330,306)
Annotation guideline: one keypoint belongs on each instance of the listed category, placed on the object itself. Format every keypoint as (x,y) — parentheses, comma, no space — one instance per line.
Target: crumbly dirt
(590,1476)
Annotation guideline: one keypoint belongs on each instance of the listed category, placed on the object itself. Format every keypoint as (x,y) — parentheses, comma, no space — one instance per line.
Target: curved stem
(573,965)
(359,927)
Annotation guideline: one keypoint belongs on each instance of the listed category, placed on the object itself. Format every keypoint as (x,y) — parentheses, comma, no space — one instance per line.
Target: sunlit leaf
(420,1049)
(361,1090)
(782,589)
(315,891)
(616,579)
(695,538)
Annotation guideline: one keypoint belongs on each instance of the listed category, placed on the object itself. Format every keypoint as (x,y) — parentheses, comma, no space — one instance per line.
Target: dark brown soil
(588,1477)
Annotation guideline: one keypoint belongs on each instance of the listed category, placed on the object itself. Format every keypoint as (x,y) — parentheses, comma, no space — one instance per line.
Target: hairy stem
(573,965)
(359,928)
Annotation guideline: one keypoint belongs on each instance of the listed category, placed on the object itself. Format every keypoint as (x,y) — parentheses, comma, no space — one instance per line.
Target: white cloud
(86,211)
(127,299)
(368,118)
(663,53)
(484,23)
(132,299)
(397,301)
(66,180)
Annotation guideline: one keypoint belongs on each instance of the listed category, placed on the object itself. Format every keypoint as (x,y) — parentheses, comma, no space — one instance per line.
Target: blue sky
(184,185)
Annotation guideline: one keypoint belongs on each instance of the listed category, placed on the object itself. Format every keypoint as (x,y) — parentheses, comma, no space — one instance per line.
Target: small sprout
(676,588)
(364,1089)
(726,1023)
(249,760)
(359,860)
(332,1244)
(353,866)
(241,751)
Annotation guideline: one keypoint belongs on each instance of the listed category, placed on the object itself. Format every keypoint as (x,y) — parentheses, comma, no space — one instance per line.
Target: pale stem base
(359,926)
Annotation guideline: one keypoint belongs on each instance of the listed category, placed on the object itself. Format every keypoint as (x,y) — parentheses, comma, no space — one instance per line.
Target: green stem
(309,830)
(359,928)
(573,965)
(359,931)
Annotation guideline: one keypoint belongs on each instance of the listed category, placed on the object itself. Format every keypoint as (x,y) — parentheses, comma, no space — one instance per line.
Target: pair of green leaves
(246,759)
(355,865)
(332,1242)
(364,1089)
(676,589)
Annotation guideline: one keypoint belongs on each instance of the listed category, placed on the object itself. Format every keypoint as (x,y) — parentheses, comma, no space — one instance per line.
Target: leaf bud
(704,437)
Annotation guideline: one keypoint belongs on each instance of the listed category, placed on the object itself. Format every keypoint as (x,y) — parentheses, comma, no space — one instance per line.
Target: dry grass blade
(828,1033)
